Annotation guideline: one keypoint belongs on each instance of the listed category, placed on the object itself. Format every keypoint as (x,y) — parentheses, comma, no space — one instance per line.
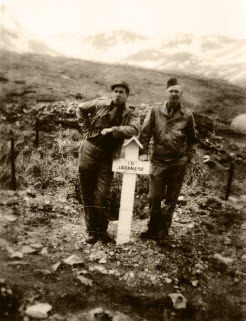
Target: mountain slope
(214,56)
(14,37)
(29,78)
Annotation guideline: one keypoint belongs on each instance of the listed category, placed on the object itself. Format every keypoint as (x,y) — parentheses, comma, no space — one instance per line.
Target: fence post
(13,179)
(228,187)
(37,132)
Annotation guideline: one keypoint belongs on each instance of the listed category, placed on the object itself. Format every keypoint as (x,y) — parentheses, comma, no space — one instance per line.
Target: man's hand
(106,131)
(143,157)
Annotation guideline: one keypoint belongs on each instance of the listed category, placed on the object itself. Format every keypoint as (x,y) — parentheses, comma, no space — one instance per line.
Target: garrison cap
(172,82)
(122,84)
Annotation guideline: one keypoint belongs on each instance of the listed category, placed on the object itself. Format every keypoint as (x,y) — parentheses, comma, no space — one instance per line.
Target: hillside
(29,78)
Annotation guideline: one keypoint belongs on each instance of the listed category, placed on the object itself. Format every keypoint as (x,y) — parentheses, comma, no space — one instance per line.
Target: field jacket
(172,135)
(94,115)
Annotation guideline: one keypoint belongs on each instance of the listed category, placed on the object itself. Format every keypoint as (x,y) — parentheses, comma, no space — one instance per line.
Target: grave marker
(130,166)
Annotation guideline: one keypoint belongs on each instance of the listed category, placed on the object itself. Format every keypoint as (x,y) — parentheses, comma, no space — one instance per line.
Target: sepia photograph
(122,160)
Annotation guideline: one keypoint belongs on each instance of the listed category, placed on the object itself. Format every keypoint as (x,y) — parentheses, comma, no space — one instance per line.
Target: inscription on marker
(130,166)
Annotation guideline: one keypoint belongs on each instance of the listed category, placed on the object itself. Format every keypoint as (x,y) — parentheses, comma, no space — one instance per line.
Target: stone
(10,218)
(82,272)
(243,257)
(99,314)
(243,226)
(44,251)
(26,249)
(227,241)
(39,310)
(85,281)
(100,269)
(222,259)
(103,261)
(74,260)
(56,266)
(17,255)
(43,271)
(179,301)
(36,245)
(199,266)
(194,282)
(18,263)
(168,280)
(121,317)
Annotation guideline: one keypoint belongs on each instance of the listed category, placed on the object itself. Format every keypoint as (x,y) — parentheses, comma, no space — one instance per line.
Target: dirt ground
(39,231)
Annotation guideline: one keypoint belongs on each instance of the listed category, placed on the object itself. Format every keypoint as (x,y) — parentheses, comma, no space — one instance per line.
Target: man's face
(119,95)
(174,94)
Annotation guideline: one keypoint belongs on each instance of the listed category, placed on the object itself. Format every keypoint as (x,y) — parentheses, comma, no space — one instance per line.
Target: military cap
(122,84)
(172,82)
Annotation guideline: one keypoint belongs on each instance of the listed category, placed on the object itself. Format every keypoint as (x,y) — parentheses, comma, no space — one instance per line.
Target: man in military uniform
(172,127)
(105,123)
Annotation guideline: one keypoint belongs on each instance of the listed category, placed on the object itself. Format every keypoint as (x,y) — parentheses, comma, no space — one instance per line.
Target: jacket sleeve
(129,130)
(146,131)
(83,112)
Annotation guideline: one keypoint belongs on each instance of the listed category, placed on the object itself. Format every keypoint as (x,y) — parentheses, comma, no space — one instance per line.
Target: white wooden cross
(130,166)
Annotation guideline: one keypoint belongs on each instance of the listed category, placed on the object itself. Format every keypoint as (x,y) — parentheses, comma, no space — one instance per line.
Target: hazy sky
(155,18)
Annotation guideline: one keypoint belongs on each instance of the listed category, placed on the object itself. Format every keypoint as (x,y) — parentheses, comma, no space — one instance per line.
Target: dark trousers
(95,173)
(166,180)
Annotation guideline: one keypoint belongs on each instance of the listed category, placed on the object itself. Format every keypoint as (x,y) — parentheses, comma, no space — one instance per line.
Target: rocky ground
(198,275)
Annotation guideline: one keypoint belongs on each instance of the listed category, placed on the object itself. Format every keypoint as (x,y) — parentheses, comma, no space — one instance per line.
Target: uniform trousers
(166,181)
(95,173)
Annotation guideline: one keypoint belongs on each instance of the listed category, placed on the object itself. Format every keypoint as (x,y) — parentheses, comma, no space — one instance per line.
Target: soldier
(173,131)
(106,123)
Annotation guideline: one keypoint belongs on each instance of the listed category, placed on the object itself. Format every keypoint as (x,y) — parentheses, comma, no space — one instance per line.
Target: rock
(10,218)
(98,256)
(44,251)
(57,317)
(99,314)
(103,261)
(179,301)
(85,280)
(243,257)
(43,271)
(28,250)
(17,255)
(220,258)
(243,226)
(199,266)
(194,282)
(190,226)
(227,241)
(36,245)
(74,260)
(168,280)
(18,263)
(82,272)
(56,266)
(39,310)
(131,275)
(182,200)
(239,123)
(121,317)
(100,268)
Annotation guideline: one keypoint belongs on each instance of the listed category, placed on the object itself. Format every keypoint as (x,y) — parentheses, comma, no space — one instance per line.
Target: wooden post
(13,179)
(228,187)
(130,167)
(37,132)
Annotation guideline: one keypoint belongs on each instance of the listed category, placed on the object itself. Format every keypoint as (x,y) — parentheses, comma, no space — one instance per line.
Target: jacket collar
(126,110)
(165,109)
